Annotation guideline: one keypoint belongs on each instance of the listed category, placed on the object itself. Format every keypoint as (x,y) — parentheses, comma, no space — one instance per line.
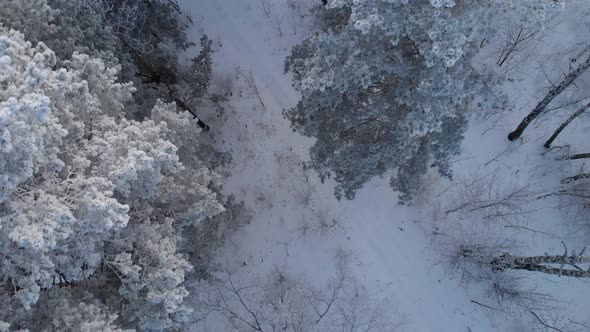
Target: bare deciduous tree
(569,263)
(488,196)
(248,78)
(565,124)
(554,92)
(484,259)
(510,292)
(479,257)
(266,7)
(472,251)
(320,221)
(287,304)
(468,250)
(304,190)
(278,23)
(518,41)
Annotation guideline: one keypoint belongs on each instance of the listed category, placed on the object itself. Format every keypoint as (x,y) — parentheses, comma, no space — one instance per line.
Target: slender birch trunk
(575,156)
(565,124)
(561,265)
(558,89)
(576,178)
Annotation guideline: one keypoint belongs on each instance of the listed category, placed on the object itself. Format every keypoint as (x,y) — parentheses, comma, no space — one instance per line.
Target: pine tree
(387,86)
(90,199)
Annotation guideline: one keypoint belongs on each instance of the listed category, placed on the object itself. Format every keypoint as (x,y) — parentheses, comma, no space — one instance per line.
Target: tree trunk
(538,264)
(554,270)
(576,156)
(569,79)
(184,106)
(554,259)
(565,123)
(576,178)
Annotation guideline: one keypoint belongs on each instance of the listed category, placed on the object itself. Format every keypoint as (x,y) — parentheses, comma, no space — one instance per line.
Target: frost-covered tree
(144,37)
(89,199)
(72,310)
(387,86)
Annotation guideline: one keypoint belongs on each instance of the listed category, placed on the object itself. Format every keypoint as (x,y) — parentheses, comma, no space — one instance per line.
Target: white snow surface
(391,247)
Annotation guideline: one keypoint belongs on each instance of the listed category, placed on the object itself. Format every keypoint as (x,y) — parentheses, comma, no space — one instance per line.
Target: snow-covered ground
(390,247)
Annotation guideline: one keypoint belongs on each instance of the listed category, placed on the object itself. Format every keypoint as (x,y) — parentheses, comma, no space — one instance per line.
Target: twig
(543,323)
(483,305)
(529,229)
(509,149)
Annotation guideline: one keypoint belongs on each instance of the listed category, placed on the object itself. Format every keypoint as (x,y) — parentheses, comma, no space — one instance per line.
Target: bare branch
(565,123)
(554,92)
(248,78)
(543,323)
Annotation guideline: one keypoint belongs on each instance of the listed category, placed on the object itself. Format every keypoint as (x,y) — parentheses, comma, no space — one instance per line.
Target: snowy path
(393,263)
(388,244)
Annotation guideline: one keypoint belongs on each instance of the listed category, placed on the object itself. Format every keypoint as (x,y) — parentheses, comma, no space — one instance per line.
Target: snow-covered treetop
(81,186)
(389,85)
